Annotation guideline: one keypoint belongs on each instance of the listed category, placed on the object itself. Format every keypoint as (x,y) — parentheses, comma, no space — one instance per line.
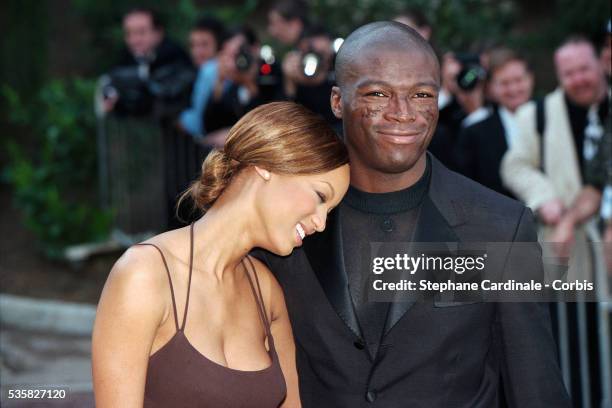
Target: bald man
(355,351)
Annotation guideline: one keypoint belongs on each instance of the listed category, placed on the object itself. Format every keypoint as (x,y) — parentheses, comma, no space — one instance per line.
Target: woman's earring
(265,174)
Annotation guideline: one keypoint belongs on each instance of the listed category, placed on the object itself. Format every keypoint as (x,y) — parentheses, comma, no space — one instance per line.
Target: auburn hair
(281,137)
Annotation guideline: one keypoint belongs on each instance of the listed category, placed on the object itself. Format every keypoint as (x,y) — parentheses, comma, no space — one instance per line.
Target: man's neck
(374,181)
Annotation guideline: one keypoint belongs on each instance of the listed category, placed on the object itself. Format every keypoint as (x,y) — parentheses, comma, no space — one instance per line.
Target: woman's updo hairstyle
(282,137)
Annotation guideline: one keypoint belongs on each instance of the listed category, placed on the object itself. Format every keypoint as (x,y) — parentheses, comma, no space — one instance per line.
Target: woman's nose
(319,222)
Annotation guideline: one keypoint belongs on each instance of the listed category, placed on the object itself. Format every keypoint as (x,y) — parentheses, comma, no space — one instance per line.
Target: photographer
(461,102)
(204,40)
(308,72)
(242,82)
(481,146)
(287,20)
(154,75)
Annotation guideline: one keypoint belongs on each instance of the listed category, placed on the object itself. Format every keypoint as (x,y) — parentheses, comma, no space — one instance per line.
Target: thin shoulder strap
(169,280)
(190,273)
(174,309)
(259,299)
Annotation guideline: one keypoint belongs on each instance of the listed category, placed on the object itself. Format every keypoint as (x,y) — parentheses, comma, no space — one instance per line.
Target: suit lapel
(438,214)
(325,253)
(498,141)
(431,227)
(324,250)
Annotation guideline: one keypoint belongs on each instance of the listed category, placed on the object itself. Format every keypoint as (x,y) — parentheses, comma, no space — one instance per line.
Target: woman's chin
(283,250)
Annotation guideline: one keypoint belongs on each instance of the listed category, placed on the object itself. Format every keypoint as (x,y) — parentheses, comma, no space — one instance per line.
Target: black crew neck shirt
(366,218)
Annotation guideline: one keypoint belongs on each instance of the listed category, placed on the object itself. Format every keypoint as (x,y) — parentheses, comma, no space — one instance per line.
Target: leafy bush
(55,183)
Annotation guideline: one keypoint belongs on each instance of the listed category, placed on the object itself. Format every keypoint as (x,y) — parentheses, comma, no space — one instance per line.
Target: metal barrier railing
(144,164)
(583,337)
(131,163)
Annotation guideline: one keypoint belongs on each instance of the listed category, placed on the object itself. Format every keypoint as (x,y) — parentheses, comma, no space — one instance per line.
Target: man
(307,84)
(204,40)
(286,21)
(150,67)
(573,116)
(240,84)
(481,146)
(352,352)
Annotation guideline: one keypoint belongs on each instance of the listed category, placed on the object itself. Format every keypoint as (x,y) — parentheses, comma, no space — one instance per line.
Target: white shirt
(508,120)
(444,98)
(478,115)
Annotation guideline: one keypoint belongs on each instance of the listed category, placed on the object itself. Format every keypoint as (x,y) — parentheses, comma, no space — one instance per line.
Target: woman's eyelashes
(322,197)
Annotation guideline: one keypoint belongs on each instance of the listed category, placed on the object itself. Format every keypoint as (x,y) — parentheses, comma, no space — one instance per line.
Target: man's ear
(263,173)
(336,102)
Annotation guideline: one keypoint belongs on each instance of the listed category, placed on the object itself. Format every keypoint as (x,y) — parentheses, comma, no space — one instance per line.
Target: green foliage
(23,49)
(53,183)
(458,24)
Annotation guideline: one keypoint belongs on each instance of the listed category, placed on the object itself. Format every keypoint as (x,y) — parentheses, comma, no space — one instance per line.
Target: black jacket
(479,152)
(432,354)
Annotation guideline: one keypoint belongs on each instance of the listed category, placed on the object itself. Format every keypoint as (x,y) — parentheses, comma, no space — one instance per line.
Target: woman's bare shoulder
(133,296)
(140,270)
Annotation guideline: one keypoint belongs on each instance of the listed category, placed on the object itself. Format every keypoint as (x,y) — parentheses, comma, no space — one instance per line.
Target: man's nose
(400,109)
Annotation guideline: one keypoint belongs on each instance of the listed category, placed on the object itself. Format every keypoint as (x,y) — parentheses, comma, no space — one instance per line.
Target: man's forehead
(138,20)
(386,55)
(386,49)
(375,61)
(571,52)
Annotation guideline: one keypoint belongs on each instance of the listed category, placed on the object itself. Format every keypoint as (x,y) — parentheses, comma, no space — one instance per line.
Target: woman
(188,318)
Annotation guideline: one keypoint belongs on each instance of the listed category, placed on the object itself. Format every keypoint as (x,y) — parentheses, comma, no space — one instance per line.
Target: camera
(311,63)
(168,89)
(471,73)
(244,59)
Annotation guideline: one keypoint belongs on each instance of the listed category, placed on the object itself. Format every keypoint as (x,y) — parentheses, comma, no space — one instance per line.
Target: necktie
(592,133)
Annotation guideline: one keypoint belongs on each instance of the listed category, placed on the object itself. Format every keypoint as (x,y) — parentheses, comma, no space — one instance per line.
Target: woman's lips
(300,233)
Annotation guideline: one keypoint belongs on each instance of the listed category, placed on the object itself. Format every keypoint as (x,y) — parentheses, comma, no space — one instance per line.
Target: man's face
(580,73)
(389,108)
(511,85)
(202,45)
(285,31)
(140,36)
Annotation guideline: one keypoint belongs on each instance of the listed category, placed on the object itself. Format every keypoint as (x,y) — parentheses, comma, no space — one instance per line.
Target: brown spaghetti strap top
(180,376)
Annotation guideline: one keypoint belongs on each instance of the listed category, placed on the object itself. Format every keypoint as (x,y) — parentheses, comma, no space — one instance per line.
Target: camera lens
(310,64)
(470,76)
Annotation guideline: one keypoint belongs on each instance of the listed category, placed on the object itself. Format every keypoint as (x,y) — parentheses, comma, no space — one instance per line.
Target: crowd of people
(490,128)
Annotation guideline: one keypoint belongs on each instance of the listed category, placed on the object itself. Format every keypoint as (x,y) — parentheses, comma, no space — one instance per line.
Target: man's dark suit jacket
(479,152)
(431,354)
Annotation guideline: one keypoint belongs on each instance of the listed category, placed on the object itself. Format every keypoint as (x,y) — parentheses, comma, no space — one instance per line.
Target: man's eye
(375,93)
(424,95)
